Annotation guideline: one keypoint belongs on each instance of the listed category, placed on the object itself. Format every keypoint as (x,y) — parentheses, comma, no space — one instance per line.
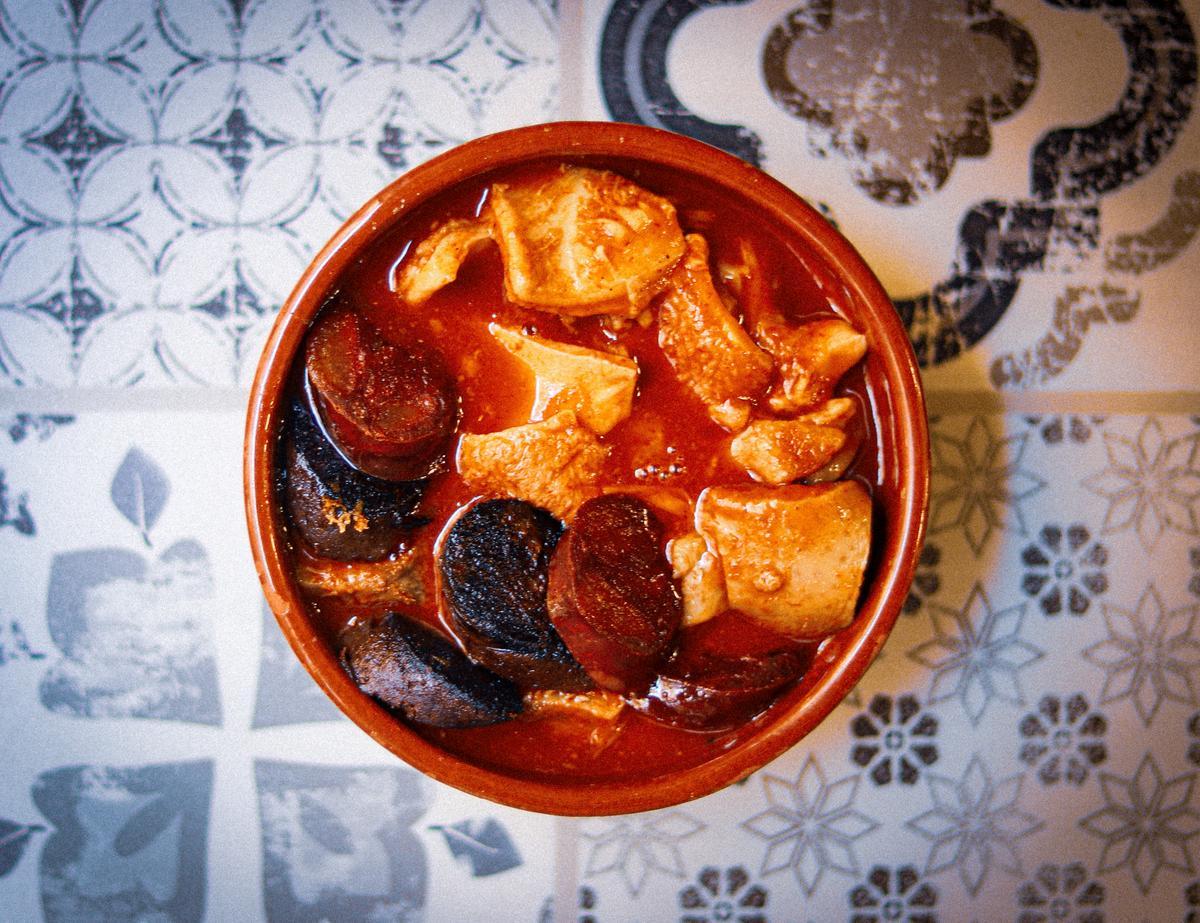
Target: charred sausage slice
(611,595)
(493,565)
(723,673)
(389,409)
(337,510)
(418,673)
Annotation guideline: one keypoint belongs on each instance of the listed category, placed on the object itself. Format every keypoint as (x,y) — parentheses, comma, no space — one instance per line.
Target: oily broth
(668,427)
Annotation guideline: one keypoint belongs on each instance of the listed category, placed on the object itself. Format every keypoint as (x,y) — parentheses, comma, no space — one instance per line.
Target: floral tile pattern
(1027,745)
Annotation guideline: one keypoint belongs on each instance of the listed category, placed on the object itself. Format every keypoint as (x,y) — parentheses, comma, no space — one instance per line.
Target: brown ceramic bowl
(897,453)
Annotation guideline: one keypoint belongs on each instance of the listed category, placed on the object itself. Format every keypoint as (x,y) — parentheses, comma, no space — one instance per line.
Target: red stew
(668,441)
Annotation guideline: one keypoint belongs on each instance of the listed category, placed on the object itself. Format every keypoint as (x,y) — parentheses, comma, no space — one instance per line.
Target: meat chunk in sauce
(811,357)
(554,464)
(493,565)
(390,409)
(436,260)
(611,596)
(705,344)
(395,580)
(584,242)
(701,582)
(793,557)
(598,386)
(416,672)
(337,510)
(782,451)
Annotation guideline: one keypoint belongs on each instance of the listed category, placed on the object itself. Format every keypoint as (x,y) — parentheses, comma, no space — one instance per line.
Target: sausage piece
(611,596)
(336,509)
(390,410)
(493,565)
(418,673)
(723,673)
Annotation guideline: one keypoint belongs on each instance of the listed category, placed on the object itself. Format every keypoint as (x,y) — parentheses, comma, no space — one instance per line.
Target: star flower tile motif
(976,654)
(1151,483)
(974,823)
(810,826)
(1149,656)
(978,484)
(1146,823)
(636,846)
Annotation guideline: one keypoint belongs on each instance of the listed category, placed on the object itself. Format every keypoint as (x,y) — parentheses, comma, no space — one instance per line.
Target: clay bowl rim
(890,357)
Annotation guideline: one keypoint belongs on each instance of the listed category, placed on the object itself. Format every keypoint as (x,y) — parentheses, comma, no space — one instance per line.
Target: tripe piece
(782,451)
(396,581)
(554,464)
(599,705)
(793,557)
(707,347)
(598,386)
(436,260)
(811,358)
(584,242)
(701,581)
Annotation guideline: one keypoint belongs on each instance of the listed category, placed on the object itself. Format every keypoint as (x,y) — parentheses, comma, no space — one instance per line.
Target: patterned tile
(1033,227)
(161,198)
(1026,746)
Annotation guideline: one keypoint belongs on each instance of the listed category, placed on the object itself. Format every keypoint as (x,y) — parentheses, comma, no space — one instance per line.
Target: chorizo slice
(493,565)
(611,595)
(421,675)
(389,409)
(723,673)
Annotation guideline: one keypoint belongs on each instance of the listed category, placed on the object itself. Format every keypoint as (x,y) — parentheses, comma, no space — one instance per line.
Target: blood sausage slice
(493,564)
(416,672)
(337,510)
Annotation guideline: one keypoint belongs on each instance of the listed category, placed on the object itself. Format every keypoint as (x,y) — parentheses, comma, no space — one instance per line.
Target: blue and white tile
(161,198)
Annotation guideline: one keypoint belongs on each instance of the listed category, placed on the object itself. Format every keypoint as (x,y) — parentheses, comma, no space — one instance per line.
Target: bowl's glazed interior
(894,459)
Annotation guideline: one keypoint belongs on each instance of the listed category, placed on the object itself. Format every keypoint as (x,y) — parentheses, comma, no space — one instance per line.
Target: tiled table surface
(1024,175)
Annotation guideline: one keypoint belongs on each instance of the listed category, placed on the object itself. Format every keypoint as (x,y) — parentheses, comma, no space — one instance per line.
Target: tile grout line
(946,401)
(566,869)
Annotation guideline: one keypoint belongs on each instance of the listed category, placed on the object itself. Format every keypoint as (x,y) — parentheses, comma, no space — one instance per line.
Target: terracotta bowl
(897,454)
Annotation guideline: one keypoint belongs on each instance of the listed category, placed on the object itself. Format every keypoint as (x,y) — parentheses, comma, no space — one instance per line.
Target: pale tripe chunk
(584,241)
(436,260)
(701,582)
(782,451)
(600,704)
(598,386)
(706,346)
(793,557)
(396,581)
(554,464)
(811,357)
